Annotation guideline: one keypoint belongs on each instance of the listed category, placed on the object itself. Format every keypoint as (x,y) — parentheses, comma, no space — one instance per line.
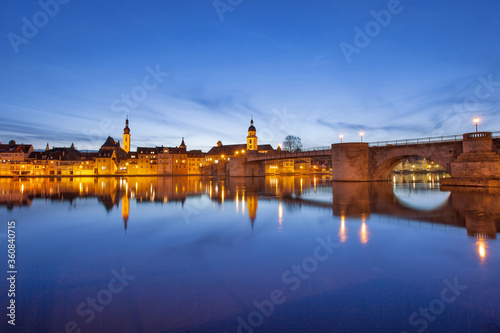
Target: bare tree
(292,143)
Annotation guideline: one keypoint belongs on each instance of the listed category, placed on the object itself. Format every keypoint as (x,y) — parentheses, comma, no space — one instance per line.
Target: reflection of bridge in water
(476,209)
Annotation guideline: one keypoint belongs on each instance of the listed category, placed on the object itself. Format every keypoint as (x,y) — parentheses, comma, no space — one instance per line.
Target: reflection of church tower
(125,209)
(126,137)
(252,202)
(252,137)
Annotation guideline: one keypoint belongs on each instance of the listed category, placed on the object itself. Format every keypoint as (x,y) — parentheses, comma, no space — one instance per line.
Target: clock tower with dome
(252,137)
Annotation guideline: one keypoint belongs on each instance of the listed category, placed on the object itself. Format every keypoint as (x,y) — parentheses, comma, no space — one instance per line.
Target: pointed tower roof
(47,148)
(252,127)
(126,130)
(183,145)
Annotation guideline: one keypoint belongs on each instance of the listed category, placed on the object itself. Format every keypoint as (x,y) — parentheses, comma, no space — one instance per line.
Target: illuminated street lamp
(361,134)
(341,136)
(476,121)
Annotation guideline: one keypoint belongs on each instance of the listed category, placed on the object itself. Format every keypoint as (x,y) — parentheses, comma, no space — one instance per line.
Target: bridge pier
(478,165)
(350,162)
(239,167)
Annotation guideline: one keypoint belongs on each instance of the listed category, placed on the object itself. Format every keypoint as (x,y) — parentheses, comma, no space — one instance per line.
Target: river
(275,254)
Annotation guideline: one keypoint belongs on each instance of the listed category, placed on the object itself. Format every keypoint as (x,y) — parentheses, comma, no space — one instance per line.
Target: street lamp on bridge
(361,134)
(341,136)
(476,121)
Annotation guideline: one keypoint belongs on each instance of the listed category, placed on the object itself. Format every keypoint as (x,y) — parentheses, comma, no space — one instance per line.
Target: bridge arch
(384,159)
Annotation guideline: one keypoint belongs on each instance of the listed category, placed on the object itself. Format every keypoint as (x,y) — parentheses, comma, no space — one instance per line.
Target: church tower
(126,137)
(252,138)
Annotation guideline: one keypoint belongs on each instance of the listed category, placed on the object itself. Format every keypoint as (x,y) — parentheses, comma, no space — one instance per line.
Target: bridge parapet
(477,135)
(284,155)
(477,142)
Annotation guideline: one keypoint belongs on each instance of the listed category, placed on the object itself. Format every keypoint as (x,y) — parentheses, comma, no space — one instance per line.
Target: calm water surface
(286,254)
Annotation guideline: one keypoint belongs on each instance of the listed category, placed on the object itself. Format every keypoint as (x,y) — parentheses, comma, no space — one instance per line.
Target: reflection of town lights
(481,248)
(363,233)
(342,232)
(243,202)
(280,213)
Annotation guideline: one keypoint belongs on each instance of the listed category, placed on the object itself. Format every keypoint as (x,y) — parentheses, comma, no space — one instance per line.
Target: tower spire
(126,137)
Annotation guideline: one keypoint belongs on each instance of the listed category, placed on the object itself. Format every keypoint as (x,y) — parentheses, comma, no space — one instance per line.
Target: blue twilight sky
(299,67)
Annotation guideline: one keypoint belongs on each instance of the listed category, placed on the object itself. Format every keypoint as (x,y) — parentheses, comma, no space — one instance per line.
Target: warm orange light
(342,231)
(476,120)
(280,214)
(363,232)
(341,136)
(481,249)
(243,151)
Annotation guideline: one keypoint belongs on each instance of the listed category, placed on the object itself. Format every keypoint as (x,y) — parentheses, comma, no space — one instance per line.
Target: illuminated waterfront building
(222,153)
(60,161)
(147,158)
(13,152)
(109,156)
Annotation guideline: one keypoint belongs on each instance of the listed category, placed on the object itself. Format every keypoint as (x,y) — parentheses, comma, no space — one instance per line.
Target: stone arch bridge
(375,161)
